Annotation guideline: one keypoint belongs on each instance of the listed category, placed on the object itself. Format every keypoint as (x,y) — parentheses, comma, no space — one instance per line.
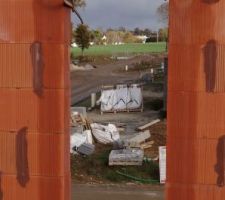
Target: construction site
(119,127)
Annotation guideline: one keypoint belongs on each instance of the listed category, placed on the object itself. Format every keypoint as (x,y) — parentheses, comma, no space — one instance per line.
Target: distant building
(104,37)
(104,40)
(143,38)
(74,44)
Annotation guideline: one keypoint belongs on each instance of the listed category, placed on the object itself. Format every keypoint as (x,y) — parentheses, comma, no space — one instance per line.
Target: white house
(104,40)
(74,45)
(143,38)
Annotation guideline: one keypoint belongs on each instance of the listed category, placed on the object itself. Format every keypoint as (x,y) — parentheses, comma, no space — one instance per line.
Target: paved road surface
(86,192)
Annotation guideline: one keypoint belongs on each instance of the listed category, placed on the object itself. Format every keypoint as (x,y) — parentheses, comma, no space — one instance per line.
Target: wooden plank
(146,126)
(140,137)
(147,145)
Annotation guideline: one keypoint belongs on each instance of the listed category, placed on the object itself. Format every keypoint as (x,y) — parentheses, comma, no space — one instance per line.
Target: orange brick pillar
(196,103)
(34,100)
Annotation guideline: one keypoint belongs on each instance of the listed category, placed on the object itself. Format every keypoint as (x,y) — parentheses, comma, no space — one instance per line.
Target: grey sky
(126,13)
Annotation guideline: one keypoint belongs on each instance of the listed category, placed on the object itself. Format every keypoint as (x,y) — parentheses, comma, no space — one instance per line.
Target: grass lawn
(125,49)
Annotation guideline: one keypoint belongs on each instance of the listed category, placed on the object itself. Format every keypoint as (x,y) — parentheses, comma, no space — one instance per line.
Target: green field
(125,49)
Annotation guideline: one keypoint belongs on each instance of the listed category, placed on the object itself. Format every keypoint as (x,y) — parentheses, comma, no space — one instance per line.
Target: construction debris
(86,149)
(147,145)
(129,151)
(81,141)
(80,110)
(89,138)
(138,139)
(86,67)
(146,126)
(76,140)
(126,157)
(79,118)
(105,134)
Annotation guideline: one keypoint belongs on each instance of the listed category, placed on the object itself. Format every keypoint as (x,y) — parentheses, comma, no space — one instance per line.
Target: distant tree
(137,31)
(129,37)
(82,37)
(163,12)
(122,29)
(109,29)
(96,36)
(147,32)
(74,4)
(114,37)
(163,34)
(79,3)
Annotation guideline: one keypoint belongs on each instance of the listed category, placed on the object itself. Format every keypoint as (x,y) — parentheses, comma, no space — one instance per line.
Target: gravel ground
(117,192)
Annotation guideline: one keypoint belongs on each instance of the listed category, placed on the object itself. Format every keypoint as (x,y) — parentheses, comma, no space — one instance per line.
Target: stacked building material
(86,149)
(196,100)
(121,98)
(34,103)
(126,157)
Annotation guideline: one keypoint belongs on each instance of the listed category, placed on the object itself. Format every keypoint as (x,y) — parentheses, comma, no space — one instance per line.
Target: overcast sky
(116,13)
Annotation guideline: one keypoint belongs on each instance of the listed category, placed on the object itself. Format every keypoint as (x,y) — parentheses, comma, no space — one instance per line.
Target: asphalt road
(116,192)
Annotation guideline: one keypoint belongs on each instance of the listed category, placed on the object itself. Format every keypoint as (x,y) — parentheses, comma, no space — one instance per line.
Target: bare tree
(74,4)
(163,12)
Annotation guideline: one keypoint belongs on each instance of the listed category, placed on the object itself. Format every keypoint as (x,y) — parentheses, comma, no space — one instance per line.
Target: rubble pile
(127,151)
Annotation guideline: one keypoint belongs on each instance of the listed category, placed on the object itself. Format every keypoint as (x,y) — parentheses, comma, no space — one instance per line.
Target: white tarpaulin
(105,134)
(121,98)
(77,139)
(135,94)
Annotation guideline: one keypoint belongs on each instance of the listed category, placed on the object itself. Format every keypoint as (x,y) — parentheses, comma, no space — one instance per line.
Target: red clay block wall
(196,102)
(34,100)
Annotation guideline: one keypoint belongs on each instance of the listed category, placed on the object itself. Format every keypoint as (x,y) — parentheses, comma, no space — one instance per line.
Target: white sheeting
(77,139)
(121,98)
(105,134)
